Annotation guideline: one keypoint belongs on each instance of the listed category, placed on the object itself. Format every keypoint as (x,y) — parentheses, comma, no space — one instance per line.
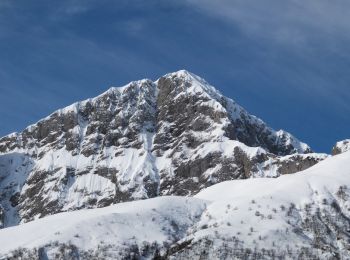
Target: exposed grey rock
(291,164)
(341,147)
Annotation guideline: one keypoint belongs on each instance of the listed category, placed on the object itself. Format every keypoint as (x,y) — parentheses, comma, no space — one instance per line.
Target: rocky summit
(174,136)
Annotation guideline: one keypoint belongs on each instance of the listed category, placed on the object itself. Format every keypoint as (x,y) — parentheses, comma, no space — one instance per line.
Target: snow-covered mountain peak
(192,83)
(289,139)
(181,73)
(175,136)
(341,147)
(184,84)
(137,83)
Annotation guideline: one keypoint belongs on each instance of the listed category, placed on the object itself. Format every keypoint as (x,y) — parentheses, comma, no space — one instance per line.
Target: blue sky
(287,62)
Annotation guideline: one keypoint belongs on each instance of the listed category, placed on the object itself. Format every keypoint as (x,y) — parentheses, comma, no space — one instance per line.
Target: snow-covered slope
(300,216)
(307,213)
(148,225)
(174,136)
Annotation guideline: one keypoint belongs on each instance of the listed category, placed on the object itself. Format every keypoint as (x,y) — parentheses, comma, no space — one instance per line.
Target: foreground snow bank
(304,215)
(140,223)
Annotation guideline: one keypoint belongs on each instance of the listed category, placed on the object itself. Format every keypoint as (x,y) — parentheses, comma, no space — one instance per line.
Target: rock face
(341,147)
(174,136)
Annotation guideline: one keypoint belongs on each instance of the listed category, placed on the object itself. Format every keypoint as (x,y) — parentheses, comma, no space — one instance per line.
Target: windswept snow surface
(161,220)
(284,215)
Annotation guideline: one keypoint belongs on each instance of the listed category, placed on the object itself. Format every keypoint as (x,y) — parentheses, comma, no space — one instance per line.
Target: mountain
(175,136)
(341,147)
(305,215)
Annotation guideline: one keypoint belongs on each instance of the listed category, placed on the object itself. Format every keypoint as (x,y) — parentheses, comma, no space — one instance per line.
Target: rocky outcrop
(174,136)
(341,147)
(277,166)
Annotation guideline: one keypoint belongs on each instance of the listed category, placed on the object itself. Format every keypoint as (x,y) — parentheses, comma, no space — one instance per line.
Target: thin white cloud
(289,21)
